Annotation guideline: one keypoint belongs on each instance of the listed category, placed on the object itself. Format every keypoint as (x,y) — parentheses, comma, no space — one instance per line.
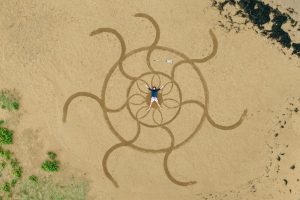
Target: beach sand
(47,54)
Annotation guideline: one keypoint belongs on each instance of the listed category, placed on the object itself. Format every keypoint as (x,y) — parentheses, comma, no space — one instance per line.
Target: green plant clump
(8,100)
(2,166)
(13,182)
(50,165)
(6,187)
(33,178)
(52,155)
(6,154)
(6,136)
(16,171)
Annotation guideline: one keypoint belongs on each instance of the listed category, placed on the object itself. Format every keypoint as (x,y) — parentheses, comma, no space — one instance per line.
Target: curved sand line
(166,157)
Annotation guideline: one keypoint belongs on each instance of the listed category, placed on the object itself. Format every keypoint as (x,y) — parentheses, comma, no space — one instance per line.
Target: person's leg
(150,104)
(156,101)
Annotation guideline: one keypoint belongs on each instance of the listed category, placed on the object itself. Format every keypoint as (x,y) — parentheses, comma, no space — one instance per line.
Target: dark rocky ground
(266,20)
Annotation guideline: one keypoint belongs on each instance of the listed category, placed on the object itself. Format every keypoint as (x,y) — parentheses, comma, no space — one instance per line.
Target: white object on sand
(169,61)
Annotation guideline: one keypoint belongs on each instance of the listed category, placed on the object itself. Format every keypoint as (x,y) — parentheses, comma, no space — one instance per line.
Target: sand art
(75,122)
(141,113)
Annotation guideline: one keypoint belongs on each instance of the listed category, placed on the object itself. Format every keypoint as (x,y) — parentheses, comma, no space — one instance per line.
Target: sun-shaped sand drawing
(138,99)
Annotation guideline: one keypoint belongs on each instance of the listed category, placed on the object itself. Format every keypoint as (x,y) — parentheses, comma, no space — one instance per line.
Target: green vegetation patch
(6,187)
(33,178)
(51,164)
(2,166)
(48,189)
(13,186)
(6,136)
(5,154)
(9,100)
(52,155)
(9,166)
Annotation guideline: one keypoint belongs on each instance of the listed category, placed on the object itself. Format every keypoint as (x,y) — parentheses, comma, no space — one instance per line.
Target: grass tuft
(6,154)
(33,178)
(6,136)
(8,100)
(50,165)
(52,155)
(6,187)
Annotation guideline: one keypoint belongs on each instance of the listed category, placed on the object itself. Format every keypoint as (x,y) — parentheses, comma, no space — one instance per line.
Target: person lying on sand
(154,92)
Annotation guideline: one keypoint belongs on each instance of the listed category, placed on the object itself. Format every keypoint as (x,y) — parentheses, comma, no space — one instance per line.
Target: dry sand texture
(218,135)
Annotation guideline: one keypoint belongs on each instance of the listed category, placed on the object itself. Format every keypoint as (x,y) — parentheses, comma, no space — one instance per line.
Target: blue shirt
(154,92)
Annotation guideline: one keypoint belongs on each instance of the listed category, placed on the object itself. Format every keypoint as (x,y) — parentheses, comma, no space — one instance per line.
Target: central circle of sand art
(169,97)
(138,100)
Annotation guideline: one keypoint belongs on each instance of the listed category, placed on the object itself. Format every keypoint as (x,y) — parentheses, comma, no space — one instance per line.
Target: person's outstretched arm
(148,87)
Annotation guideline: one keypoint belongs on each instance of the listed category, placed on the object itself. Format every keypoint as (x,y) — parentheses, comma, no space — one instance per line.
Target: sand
(47,55)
